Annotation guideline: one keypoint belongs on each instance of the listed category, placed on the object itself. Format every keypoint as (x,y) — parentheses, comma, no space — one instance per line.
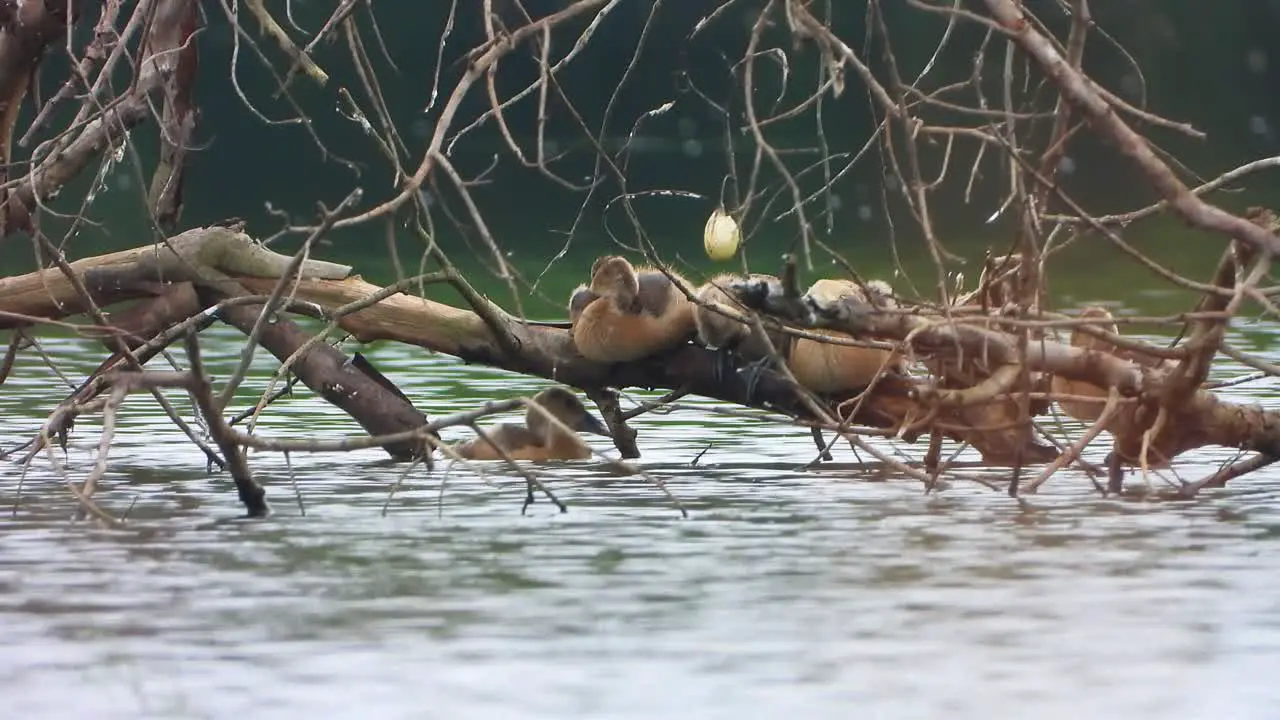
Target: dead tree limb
(209,255)
(251,493)
(26,30)
(379,408)
(1160,427)
(177,122)
(1081,92)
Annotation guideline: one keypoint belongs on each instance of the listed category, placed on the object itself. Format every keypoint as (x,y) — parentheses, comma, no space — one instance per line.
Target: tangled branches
(986,361)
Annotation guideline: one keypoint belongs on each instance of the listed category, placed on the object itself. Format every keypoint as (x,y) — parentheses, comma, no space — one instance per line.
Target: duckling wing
(514,437)
(657,293)
(517,440)
(582,297)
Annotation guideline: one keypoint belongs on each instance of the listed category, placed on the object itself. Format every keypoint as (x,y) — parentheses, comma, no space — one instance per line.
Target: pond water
(810,593)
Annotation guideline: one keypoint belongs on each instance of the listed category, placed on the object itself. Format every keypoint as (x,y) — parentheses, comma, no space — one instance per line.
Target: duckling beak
(590,423)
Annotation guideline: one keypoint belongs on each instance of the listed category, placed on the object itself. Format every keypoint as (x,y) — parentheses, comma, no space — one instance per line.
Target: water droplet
(642,144)
(1256,60)
(692,147)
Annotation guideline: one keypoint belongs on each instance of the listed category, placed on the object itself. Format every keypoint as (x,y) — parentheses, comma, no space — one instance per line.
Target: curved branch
(1081,92)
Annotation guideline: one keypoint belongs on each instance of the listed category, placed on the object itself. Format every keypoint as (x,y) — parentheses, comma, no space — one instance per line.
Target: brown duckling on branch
(730,337)
(833,369)
(824,368)
(1082,410)
(539,438)
(628,313)
(719,331)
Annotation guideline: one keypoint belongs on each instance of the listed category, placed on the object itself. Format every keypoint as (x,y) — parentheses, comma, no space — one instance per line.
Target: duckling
(1001,433)
(1081,410)
(719,331)
(1123,424)
(827,368)
(628,313)
(539,438)
(824,368)
(731,338)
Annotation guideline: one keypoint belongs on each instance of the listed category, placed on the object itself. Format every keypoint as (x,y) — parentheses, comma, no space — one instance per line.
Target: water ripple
(814,593)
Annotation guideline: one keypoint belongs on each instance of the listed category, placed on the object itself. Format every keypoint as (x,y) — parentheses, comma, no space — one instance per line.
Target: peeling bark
(161,57)
(325,369)
(26,30)
(177,125)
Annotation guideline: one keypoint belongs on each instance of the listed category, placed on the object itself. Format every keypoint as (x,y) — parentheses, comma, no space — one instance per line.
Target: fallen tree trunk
(148,274)
(350,385)
(230,265)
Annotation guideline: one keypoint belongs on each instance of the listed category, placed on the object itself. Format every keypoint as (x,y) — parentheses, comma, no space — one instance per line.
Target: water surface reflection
(816,594)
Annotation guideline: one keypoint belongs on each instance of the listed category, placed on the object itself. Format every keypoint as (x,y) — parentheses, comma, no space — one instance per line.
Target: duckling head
(880,293)
(579,299)
(565,406)
(715,329)
(829,291)
(612,275)
(1080,338)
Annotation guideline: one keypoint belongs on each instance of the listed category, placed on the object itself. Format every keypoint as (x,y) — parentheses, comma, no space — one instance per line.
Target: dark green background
(1210,64)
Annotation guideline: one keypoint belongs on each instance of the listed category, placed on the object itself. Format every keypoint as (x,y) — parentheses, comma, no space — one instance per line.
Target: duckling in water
(1079,409)
(628,313)
(539,438)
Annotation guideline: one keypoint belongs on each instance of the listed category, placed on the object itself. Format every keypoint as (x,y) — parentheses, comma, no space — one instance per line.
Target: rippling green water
(825,593)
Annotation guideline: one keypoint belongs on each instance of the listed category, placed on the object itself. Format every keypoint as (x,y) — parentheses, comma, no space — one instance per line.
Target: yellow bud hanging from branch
(721,236)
